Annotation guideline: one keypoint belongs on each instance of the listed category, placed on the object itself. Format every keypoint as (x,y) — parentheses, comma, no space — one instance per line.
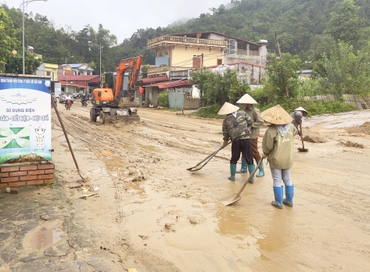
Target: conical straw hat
(304,112)
(276,115)
(246,99)
(227,108)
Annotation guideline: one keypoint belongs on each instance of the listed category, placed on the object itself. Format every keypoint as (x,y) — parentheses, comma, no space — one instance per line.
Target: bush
(163,99)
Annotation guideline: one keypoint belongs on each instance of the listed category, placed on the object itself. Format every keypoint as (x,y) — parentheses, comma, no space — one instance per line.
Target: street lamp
(22,5)
(100,48)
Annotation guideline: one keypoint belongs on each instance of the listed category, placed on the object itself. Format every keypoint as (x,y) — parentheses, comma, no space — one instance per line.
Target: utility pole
(281,59)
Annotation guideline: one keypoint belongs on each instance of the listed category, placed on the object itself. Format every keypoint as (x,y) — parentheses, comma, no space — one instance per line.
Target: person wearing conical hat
(236,127)
(277,147)
(297,118)
(248,102)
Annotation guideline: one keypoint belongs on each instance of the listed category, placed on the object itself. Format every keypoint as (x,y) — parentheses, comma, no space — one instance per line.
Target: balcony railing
(163,69)
(185,40)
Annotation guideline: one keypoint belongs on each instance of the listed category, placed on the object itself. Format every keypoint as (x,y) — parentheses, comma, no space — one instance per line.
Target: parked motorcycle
(68,104)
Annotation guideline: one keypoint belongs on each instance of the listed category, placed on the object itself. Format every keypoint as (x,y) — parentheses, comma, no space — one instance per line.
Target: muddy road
(153,214)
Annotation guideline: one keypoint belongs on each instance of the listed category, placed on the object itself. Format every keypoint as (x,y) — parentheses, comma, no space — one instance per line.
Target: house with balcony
(180,53)
(188,51)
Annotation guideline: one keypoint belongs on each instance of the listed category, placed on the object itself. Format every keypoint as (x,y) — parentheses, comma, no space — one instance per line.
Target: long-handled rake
(202,163)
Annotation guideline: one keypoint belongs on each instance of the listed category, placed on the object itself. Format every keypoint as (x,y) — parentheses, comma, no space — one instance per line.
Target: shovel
(202,163)
(302,149)
(236,197)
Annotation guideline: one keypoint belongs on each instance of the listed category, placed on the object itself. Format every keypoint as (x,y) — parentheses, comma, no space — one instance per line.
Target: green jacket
(236,128)
(257,120)
(279,149)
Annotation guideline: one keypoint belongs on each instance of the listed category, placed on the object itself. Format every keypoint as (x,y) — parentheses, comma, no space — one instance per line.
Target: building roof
(170,84)
(88,78)
(77,65)
(153,79)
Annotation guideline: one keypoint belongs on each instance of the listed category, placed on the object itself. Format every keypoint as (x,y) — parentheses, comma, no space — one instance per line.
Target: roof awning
(153,79)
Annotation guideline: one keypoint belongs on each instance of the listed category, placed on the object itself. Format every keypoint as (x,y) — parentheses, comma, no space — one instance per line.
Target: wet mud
(157,216)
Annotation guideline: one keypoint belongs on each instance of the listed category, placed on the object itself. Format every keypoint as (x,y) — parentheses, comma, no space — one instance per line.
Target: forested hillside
(302,27)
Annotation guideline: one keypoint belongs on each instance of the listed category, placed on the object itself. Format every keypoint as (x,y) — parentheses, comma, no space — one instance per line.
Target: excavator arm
(132,66)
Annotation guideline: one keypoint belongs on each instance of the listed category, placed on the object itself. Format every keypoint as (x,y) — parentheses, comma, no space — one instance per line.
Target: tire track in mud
(126,162)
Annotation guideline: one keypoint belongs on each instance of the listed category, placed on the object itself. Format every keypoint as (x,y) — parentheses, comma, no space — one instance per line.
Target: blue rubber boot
(251,169)
(289,193)
(243,169)
(278,192)
(261,172)
(232,171)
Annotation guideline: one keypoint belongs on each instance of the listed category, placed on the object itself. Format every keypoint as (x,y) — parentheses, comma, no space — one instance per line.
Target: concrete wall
(183,57)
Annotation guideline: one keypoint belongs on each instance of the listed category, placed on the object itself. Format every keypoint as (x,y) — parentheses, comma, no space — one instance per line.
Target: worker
(236,127)
(248,102)
(297,118)
(277,147)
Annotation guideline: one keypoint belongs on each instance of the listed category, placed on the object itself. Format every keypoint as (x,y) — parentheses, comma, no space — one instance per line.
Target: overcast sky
(122,18)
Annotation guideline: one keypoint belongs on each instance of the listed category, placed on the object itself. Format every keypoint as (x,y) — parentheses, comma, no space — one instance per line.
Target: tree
(346,24)
(217,88)
(282,75)
(8,44)
(346,72)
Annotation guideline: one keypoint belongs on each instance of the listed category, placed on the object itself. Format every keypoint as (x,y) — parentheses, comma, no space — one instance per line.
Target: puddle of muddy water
(43,237)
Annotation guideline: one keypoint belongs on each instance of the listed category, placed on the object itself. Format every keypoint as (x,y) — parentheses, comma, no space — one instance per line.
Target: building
(49,70)
(77,77)
(79,83)
(177,55)
(76,69)
(187,51)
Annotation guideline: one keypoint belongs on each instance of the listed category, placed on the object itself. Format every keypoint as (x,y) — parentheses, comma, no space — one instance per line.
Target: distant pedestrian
(297,118)
(248,102)
(277,147)
(236,127)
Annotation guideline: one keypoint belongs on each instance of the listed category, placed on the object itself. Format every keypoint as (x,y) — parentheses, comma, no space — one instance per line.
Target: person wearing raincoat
(278,148)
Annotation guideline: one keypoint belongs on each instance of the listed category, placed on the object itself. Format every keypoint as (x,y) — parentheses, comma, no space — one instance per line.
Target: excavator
(116,97)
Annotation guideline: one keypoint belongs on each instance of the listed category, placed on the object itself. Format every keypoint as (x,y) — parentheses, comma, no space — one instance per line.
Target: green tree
(8,44)
(346,72)
(217,88)
(345,24)
(282,76)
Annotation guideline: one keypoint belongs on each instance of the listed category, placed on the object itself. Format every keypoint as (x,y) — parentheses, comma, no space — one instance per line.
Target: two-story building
(77,77)
(180,53)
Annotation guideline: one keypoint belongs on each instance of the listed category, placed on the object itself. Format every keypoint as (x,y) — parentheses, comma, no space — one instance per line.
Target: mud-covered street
(151,214)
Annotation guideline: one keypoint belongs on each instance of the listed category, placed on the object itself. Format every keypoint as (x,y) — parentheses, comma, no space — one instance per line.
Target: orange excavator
(116,97)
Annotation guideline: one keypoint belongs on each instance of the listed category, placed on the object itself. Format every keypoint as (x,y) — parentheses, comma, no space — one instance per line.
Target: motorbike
(68,104)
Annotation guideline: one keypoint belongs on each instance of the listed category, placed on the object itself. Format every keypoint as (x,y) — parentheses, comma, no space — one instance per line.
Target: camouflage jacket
(236,128)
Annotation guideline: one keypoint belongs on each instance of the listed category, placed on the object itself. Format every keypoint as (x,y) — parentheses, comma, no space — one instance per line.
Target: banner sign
(25,118)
